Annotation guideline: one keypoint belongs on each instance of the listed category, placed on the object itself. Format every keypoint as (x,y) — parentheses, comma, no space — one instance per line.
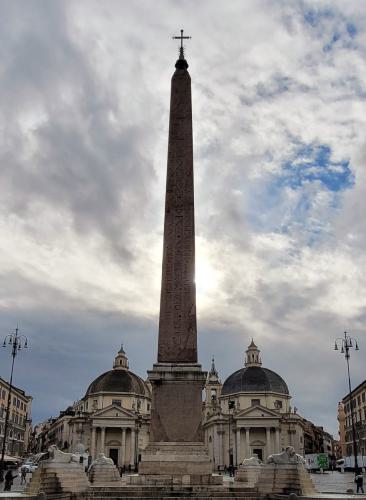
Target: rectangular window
(363,397)
(116,402)
(256,402)
(358,400)
(95,403)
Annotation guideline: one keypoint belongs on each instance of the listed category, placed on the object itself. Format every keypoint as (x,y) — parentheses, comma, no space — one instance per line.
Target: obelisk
(176,440)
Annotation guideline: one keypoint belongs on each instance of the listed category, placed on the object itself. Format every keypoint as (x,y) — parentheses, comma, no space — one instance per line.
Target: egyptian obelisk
(176,440)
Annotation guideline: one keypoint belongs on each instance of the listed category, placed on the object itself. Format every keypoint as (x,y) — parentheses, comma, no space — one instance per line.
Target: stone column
(92,444)
(238,446)
(123,447)
(278,446)
(219,436)
(268,442)
(214,445)
(247,442)
(102,441)
(132,448)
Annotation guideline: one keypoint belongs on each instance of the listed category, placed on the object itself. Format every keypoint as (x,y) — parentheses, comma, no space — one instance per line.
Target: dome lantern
(121,360)
(252,355)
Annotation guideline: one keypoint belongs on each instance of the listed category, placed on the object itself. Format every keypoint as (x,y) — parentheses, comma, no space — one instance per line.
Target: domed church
(113,416)
(249,413)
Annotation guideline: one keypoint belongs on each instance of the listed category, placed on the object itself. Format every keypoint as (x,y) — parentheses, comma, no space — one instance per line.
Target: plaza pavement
(335,482)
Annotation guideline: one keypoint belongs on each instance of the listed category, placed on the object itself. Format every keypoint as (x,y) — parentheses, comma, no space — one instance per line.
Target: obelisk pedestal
(176,452)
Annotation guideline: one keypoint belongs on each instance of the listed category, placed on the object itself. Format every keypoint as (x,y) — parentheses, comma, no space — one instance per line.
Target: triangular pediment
(114,411)
(258,412)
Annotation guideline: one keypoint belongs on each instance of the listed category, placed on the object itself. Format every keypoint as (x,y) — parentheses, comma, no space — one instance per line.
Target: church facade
(112,418)
(249,414)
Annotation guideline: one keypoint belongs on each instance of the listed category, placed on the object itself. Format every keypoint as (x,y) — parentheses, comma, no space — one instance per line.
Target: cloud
(278,108)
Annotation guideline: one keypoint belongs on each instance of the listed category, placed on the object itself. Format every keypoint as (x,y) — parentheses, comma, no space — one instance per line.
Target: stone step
(154,494)
(187,489)
(184,497)
(167,495)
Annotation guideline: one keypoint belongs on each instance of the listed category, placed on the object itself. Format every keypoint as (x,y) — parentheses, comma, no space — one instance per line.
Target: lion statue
(252,461)
(289,456)
(103,460)
(56,455)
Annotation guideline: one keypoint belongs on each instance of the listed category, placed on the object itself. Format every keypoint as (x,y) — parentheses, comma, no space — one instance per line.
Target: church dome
(120,379)
(254,378)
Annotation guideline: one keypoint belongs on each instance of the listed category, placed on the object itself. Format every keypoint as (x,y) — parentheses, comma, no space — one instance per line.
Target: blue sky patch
(314,163)
(351,30)
(309,172)
(334,39)
(314,16)
(331,25)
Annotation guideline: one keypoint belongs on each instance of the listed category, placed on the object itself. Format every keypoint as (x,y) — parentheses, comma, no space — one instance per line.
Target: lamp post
(16,342)
(346,343)
(231,405)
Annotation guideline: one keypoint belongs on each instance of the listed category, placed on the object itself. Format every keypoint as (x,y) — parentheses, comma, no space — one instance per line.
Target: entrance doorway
(259,452)
(113,454)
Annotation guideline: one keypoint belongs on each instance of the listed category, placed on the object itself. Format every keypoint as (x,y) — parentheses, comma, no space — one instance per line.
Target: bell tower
(213,385)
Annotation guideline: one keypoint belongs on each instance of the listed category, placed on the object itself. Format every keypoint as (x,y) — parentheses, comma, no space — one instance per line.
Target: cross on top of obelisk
(181,38)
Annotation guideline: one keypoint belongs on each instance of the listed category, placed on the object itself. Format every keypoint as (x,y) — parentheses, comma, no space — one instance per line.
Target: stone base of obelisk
(175,463)
(176,453)
(176,407)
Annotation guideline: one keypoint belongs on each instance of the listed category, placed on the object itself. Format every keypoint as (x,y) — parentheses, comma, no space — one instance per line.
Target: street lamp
(231,405)
(346,343)
(17,342)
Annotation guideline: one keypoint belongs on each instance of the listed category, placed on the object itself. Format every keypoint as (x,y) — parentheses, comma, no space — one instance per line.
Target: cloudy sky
(279,105)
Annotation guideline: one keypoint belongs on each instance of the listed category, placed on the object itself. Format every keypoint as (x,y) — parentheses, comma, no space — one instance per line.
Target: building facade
(20,419)
(342,429)
(250,413)
(357,398)
(112,418)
